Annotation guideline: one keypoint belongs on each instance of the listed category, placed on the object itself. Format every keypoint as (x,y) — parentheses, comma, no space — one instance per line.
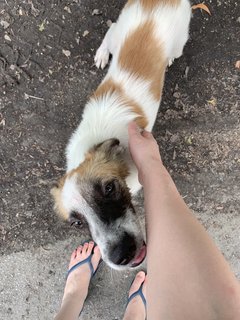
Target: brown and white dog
(101,177)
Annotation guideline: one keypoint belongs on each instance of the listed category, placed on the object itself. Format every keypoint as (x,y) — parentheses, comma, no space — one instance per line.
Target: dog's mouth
(139,257)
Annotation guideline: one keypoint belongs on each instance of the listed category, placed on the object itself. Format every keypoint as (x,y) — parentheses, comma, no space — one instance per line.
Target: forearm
(182,257)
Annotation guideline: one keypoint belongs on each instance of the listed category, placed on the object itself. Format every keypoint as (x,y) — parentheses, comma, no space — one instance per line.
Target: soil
(46,76)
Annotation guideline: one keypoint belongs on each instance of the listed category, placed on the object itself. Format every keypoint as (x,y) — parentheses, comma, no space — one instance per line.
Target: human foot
(136,308)
(78,279)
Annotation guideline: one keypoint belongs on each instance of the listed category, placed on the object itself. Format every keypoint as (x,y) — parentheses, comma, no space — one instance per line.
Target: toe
(139,279)
(73,255)
(85,248)
(144,289)
(79,251)
(90,247)
(96,257)
(72,259)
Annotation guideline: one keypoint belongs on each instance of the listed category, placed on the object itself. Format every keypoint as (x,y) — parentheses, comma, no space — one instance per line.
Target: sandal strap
(138,293)
(87,260)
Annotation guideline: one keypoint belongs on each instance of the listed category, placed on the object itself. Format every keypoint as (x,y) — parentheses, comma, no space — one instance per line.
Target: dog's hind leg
(106,48)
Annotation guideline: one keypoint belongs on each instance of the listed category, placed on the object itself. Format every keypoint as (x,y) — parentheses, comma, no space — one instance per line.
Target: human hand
(144,150)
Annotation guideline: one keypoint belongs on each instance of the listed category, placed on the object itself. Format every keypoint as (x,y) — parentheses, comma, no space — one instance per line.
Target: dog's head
(97,191)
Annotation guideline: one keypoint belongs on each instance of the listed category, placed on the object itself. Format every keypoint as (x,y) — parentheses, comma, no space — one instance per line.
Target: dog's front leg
(106,48)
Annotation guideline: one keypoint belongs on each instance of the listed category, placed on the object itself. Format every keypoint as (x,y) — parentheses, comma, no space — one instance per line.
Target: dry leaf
(96,12)
(2,123)
(188,140)
(67,53)
(212,102)
(66,8)
(4,24)
(85,33)
(237,65)
(109,23)
(6,37)
(42,26)
(201,6)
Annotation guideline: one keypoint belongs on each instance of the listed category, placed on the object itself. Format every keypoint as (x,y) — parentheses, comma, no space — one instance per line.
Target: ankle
(131,315)
(74,294)
(134,311)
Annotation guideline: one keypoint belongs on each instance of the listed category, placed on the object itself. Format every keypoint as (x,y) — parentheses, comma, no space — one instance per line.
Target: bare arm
(188,278)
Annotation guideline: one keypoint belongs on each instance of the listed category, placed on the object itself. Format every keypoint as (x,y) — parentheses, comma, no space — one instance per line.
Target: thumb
(133,129)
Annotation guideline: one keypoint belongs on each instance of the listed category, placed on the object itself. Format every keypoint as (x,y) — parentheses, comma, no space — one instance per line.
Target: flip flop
(139,292)
(87,260)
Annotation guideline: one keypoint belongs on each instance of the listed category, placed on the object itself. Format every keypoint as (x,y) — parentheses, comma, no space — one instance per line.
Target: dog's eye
(109,188)
(76,224)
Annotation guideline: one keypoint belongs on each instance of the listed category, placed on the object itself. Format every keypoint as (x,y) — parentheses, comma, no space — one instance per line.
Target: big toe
(96,257)
(139,279)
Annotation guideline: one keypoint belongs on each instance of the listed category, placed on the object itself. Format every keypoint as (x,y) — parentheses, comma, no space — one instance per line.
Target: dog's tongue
(140,257)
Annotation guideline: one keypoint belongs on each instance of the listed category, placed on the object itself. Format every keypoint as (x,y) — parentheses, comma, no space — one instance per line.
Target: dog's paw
(170,62)
(102,57)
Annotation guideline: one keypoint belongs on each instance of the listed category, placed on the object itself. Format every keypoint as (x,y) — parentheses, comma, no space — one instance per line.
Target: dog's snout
(124,251)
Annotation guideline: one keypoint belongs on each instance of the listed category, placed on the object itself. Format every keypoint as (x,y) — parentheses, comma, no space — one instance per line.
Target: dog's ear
(111,147)
(56,194)
(54,190)
(107,144)
(56,186)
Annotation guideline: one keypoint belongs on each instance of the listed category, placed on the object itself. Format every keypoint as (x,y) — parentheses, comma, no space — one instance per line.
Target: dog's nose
(124,251)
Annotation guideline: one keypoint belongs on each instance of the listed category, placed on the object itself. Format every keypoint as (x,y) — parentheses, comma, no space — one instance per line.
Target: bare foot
(136,308)
(77,283)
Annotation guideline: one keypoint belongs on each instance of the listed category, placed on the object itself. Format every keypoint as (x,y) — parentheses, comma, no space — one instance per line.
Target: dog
(101,177)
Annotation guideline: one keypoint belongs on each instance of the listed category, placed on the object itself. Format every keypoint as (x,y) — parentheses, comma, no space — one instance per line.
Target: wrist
(152,170)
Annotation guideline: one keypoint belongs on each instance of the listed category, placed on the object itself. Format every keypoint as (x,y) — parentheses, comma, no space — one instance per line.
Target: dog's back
(148,35)
(166,20)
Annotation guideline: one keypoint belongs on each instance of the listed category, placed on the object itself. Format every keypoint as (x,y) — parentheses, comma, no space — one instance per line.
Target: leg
(136,308)
(170,62)
(177,51)
(176,55)
(107,47)
(188,278)
(76,288)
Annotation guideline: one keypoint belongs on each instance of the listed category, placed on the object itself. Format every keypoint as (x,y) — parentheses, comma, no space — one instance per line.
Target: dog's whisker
(111,274)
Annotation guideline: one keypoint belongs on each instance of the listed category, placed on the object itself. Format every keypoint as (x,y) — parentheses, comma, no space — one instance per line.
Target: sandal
(87,260)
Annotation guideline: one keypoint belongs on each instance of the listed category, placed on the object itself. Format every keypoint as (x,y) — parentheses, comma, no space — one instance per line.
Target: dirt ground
(46,75)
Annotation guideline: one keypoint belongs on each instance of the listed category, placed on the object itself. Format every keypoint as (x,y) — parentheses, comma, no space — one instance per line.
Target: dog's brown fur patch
(56,193)
(109,87)
(98,164)
(143,56)
(151,4)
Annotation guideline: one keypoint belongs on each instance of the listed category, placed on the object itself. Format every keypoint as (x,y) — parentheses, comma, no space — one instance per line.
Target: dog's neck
(103,118)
